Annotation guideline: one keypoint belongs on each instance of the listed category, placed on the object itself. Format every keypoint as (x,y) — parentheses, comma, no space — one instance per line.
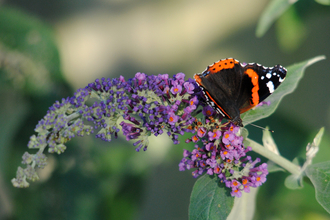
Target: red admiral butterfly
(232,88)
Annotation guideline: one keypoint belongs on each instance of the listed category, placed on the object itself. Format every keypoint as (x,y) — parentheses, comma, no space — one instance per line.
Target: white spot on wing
(270,86)
(268,75)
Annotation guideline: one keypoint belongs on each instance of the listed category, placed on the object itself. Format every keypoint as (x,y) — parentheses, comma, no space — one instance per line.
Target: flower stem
(281,161)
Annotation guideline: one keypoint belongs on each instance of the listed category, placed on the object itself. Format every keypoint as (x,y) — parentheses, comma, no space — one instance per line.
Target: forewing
(223,85)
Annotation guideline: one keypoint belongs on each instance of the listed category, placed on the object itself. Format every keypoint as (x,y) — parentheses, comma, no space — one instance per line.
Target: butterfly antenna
(257,126)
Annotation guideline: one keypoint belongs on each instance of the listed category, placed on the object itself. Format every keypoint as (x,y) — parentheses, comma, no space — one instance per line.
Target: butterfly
(232,88)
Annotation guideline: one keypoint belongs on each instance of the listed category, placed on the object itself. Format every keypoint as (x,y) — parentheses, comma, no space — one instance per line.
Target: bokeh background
(48,49)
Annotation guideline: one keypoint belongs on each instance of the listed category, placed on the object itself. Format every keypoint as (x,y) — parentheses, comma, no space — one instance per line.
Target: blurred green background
(48,49)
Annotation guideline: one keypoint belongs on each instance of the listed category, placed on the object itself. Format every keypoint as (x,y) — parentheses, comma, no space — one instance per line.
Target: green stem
(281,161)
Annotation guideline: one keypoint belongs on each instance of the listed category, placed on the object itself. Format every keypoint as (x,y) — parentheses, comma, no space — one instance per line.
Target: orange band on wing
(255,81)
(255,96)
(222,64)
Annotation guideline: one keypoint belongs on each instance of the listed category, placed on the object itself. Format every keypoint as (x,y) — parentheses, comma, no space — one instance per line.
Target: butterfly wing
(223,81)
(258,83)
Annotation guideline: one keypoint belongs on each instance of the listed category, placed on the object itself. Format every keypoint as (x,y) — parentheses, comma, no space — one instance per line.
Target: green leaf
(294,182)
(318,137)
(268,141)
(244,207)
(273,10)
(273,167)
(295,73)
(313,148)
(28,52)
(319,174)
(209,200)
(323,2)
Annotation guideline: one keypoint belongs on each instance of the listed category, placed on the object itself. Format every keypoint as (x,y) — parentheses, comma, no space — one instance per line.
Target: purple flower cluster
(140,107)
(148,105)
(145,105)
(223,154)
